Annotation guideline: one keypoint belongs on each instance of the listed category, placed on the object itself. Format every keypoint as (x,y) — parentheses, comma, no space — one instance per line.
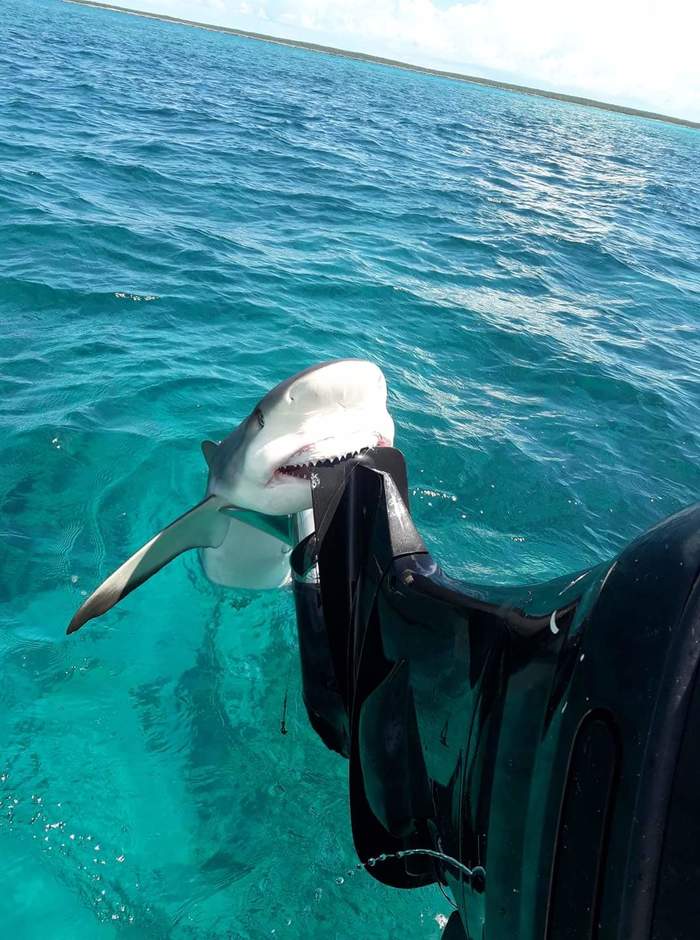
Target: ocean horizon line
(396,63)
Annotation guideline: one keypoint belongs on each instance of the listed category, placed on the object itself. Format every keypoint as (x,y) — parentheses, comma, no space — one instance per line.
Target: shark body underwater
(260,480)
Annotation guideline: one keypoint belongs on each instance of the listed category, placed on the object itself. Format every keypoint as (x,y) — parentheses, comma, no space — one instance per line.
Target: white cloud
(641,53)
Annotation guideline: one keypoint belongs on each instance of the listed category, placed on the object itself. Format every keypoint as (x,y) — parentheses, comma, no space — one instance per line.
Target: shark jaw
(304,471)
(327,414)
(300,466)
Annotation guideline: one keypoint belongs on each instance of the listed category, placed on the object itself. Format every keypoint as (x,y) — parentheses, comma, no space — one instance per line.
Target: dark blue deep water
(187,218)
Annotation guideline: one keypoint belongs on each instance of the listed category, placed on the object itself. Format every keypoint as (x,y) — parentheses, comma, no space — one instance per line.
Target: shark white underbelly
(248,558)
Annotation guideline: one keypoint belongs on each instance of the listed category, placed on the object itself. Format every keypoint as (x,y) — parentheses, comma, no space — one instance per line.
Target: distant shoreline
(366,57)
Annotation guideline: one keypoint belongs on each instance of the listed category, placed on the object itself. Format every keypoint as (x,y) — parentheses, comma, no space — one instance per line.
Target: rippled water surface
(186,218)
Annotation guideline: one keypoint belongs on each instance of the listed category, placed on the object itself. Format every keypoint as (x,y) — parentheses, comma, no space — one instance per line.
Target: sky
(639,53)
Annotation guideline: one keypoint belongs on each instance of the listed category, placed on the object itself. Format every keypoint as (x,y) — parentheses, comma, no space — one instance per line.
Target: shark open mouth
(303,471)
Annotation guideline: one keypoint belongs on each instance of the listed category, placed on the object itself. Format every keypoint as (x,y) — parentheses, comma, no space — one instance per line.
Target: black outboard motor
(535,749)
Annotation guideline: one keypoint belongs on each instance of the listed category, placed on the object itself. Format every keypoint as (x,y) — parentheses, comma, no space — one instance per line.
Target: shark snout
(347,383)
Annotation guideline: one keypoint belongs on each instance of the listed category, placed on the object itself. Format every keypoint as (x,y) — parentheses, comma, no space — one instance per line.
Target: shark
(258,494)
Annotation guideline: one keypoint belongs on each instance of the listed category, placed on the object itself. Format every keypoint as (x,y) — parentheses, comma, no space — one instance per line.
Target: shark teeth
(303,471)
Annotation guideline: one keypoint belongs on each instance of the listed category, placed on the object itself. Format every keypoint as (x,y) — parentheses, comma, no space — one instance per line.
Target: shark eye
(260,418)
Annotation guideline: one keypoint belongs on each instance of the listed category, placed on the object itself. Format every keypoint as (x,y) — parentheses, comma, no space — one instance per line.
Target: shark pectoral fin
(276,526)
(204,526)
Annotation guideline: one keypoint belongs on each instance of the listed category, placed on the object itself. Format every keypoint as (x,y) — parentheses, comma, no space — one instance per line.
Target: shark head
(326,414)
(259,476)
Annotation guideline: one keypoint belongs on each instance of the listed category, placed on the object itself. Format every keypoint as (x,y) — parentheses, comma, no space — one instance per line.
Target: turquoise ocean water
(187,218)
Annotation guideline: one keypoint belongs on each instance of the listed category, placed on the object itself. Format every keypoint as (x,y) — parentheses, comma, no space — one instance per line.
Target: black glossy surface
(534,731)
(581,844)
